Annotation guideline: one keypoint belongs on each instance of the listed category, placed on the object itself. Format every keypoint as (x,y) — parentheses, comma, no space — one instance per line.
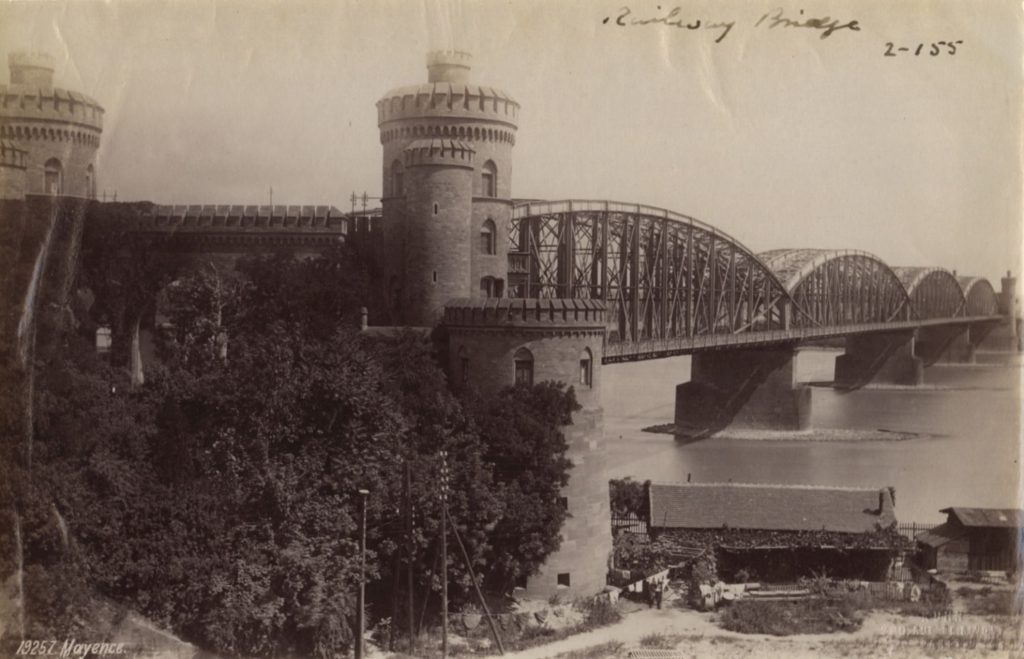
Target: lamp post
(361,602)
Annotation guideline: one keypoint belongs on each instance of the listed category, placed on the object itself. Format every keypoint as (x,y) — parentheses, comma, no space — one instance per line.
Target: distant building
(973,539)
(781,532)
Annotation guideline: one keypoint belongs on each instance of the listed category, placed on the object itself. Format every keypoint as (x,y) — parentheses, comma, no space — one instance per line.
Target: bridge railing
(623,351)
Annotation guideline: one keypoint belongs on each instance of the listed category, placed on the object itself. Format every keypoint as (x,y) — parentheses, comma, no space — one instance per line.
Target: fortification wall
(563,340)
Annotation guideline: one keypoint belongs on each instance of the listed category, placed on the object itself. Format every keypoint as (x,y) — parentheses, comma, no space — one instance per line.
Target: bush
(783,618)
(661,641)
(598,612)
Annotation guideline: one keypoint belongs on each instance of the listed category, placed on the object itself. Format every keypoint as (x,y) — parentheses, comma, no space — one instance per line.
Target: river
(965,420)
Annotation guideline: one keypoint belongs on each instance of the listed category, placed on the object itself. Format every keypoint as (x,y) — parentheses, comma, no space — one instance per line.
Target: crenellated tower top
(32,96)
(447,94)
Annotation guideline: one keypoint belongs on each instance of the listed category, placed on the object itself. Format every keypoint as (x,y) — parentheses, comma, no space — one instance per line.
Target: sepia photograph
(560,329)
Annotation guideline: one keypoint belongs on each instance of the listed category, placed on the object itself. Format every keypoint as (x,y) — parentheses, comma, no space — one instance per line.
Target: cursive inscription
(676,18)
(673,18)
(826,24)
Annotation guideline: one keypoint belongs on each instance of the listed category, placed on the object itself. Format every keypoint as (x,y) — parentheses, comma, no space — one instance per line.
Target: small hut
(778,533)
(973,539)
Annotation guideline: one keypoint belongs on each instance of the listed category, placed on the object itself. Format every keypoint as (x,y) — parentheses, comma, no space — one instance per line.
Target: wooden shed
(973,539)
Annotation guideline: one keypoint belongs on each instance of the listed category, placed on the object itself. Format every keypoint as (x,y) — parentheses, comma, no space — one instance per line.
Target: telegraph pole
(444,554)
(361,600)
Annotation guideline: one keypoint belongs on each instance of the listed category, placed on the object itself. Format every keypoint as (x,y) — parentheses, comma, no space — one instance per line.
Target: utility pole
(361,601)
(444,554)
(476,587)
(409,555)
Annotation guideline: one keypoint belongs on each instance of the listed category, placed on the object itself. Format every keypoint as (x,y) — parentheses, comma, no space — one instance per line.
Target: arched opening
(90,182)
(53,177)
(397,183)
(523,367)
(487,237)
(489,179)
(586,368)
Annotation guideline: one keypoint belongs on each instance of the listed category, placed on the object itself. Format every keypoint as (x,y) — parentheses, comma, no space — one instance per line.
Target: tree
(220,499)
(630,497)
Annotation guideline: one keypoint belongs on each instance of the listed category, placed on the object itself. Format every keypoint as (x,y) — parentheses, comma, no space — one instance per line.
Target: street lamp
(361,602)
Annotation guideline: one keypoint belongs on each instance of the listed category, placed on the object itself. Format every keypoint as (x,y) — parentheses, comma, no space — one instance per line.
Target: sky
(776,135)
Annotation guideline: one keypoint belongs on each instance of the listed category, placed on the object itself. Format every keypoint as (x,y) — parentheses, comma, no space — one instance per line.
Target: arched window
(492,287)
(586,368)
(397,184)
(489,179)
(90,182)
(524,367)
(53,177)
(487,236)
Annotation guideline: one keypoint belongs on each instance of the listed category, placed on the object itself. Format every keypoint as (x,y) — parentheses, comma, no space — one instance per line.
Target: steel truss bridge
(675,285)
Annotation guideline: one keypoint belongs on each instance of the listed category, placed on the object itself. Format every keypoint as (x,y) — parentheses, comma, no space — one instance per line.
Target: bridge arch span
(934,292)
(838,287)
(979,296)
(663,275)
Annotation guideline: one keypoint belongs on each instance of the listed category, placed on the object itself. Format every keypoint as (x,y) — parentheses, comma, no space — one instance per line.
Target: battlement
(22,102)
(12,155)
(554,314)
(244,219)
(31,69)
(439,152)
(448,66)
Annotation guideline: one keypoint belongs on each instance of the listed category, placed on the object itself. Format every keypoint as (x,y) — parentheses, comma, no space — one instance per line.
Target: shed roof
(940,535)
(997,517)
(770,507)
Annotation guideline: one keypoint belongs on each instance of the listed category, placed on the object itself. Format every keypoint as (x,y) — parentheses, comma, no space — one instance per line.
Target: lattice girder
(663,275)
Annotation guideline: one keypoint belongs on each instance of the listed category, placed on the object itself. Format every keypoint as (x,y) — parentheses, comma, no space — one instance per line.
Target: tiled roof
(770,507)
(998,517)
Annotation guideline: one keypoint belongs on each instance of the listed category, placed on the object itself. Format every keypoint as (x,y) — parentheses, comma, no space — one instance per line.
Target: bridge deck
(660,348)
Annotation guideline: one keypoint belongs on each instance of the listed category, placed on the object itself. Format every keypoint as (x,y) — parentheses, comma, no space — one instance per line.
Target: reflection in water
(967,417)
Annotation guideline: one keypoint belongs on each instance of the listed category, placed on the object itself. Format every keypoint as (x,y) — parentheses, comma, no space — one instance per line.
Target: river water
(964,423)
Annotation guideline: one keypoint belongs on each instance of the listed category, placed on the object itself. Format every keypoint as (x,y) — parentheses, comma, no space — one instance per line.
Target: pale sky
(774,135)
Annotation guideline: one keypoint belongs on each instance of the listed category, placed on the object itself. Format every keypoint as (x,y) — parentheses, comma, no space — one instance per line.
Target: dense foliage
(630,497)
(220,499)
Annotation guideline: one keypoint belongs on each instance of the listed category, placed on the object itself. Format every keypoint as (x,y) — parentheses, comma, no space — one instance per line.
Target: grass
(987,602)
(658,640)
(609,649)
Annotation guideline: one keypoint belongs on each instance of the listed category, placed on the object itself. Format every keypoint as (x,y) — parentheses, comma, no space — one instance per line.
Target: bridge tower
(446,191)
(59,130)
(498,343)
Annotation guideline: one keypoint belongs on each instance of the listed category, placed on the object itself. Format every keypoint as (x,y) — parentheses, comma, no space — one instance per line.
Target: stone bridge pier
(886,358)
(743,389)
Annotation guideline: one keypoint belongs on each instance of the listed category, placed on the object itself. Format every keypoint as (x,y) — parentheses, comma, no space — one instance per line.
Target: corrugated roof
(997,517)
(939,536)
(770,507)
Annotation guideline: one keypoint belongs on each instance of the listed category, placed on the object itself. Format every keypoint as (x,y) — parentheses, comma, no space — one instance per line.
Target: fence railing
(629,523)
(910,530)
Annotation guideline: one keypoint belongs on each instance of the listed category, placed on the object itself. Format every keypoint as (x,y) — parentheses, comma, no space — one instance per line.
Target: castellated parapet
(445,122)
(59,129)
(495,343)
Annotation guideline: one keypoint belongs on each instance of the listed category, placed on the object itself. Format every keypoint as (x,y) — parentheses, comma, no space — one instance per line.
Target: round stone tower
(447,171)
(58,130)
(500,342)
(12,170)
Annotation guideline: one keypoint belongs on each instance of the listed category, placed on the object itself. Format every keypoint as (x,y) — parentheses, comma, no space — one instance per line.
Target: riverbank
(810,435)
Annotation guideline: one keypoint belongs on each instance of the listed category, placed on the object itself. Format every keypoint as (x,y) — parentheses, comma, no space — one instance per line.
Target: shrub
(782,618)
(598,612)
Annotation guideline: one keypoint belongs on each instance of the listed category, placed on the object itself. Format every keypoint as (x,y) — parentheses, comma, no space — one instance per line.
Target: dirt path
(697,635)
